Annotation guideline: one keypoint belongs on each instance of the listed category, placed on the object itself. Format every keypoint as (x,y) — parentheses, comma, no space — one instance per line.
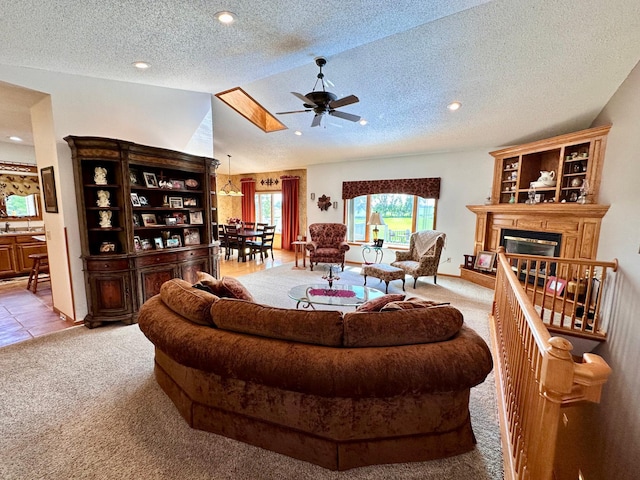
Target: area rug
(83,404)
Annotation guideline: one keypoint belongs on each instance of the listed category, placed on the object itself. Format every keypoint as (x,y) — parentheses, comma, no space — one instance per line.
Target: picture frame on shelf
(133,177)
(196,218)
(149,219)
(150,179)
(555,286)
(180,217)
(178,184)
(135,200)
(176,202)
(190,202)
(137,243)
(143,200)
(191,236)
(170,221)
(178,239)
(192,183)
(484,261)
(173,242)
(145,243)
(157,242)
(137,221)
(49,190)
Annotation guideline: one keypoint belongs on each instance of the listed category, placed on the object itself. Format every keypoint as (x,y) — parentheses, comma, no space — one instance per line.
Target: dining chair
(232,240)
(265,243)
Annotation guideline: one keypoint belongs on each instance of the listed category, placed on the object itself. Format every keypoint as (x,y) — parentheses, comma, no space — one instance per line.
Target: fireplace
(528,242)
(575,229)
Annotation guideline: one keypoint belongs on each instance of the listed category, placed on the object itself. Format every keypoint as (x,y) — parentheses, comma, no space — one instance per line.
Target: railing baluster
(536,371)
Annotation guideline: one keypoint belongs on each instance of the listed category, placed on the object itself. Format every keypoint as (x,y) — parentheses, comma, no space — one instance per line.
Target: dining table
(243,235)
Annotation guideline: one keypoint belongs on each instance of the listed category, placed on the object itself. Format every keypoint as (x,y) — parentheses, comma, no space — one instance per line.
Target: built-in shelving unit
(573,162)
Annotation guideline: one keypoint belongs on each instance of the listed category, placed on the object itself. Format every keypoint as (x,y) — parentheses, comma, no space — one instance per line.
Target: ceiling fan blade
(346,116)
(341,102)
(316,120)
(294,111)
(304,99)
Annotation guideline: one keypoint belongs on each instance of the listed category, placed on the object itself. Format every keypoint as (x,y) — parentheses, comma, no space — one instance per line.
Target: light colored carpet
(84,404)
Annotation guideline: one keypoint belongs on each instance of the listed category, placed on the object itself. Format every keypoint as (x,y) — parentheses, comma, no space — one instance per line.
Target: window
(269,209)
(18,206)
(401,213)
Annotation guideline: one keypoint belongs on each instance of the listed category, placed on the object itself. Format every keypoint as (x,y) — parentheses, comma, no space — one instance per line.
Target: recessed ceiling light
(298,132)
(453,106)
(226,17)
(363,121)
(14,138)
(141,65)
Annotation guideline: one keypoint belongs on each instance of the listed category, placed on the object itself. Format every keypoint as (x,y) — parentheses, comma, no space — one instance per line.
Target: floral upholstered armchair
(423,256)
(328,243)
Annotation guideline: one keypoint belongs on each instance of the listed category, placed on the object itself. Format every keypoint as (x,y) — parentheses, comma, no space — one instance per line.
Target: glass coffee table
(338,295)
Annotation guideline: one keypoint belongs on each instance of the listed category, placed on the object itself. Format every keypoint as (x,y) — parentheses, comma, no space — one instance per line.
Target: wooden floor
(25,315)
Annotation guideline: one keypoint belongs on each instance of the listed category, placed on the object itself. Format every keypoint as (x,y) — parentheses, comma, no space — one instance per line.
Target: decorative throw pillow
(205,276)
(228,287)
(410,304)
(376,304)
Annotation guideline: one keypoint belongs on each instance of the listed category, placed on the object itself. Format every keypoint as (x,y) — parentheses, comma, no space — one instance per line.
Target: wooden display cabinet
(155,225)
(574,158)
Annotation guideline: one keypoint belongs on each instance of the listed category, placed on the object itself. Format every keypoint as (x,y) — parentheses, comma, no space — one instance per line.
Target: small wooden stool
(40,266)
(384,272)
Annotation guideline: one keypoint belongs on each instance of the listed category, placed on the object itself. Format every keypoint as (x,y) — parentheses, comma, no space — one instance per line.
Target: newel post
(556,379)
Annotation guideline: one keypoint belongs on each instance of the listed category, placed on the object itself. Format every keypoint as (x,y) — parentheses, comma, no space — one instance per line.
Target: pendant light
(229,189)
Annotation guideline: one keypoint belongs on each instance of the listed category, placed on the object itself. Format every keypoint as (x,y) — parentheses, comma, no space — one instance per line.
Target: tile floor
(25,315)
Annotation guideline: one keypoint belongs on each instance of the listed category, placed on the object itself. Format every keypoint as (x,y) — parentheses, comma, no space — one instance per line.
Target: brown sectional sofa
(338,390)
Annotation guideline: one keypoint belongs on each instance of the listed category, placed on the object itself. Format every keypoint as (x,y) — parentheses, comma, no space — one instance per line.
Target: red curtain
(290,215)
(248,187)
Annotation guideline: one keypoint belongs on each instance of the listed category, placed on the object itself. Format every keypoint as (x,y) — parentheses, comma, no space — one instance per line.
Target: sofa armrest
(344,246)
(311,246)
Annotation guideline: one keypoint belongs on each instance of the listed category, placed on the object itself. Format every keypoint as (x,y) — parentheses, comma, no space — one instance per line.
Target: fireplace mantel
(579,225)
(547,209)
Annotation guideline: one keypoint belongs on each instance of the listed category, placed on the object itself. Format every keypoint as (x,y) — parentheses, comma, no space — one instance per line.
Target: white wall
(466,179)
(81,106)
(618,416)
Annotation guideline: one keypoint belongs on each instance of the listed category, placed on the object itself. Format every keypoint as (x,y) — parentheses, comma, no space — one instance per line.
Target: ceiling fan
(322,102)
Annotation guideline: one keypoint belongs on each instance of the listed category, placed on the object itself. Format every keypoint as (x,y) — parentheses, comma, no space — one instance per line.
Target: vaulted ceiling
(522,69)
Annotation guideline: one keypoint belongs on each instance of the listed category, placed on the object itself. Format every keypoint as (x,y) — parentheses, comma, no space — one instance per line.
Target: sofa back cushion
(401,327)
(192,303)
(317,327)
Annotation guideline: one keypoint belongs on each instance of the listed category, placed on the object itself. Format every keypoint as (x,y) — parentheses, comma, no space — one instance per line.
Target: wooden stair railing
(568,293)
(535,377)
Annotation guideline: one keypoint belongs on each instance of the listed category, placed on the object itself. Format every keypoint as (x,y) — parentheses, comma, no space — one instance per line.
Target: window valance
(422,187)
(22,185)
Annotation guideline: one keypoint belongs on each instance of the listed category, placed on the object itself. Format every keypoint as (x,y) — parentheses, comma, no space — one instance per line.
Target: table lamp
(375,219)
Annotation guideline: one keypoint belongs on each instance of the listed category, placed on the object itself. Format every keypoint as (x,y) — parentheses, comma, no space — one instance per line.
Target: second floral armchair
(328,243)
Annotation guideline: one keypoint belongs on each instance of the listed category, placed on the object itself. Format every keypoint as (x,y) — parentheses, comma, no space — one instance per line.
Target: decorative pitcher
(548,178)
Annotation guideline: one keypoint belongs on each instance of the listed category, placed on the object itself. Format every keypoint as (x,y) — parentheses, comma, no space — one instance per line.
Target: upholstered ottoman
(384,272)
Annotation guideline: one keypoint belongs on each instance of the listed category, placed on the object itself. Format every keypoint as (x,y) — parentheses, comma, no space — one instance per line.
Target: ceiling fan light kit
(322,102)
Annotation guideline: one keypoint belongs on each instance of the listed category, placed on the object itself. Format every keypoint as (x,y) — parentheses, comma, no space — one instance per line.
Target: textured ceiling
(523,69)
